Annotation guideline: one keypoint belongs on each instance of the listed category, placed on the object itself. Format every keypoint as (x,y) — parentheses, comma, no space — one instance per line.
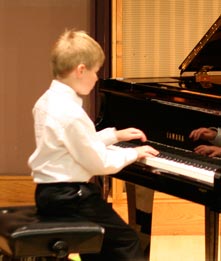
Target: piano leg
(104,182)
(140,205)
(211,234)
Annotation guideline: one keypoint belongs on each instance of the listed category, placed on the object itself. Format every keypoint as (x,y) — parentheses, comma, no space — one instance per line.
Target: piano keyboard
(180,168)
(181,162)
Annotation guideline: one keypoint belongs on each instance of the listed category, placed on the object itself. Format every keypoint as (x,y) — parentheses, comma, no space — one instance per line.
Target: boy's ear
(80,69)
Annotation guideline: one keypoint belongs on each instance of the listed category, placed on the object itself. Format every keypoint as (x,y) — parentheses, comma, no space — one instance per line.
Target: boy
(69,151)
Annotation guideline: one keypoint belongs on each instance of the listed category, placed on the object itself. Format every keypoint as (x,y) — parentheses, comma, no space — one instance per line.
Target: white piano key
(180,169)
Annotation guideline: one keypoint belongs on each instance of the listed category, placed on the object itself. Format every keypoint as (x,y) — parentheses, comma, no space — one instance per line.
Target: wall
(152,38)
(27,31)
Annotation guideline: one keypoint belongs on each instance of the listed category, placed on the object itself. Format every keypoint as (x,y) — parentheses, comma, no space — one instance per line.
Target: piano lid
(206,55)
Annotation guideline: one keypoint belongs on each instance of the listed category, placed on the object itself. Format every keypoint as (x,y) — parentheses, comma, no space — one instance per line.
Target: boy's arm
(108,136)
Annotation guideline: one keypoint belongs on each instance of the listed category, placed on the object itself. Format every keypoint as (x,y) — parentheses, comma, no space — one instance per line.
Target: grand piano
(167,109)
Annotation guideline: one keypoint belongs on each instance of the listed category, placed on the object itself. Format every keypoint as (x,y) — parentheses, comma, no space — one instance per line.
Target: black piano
(167,109)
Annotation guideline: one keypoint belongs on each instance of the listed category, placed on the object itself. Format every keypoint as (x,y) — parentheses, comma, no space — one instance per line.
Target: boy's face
(87,79)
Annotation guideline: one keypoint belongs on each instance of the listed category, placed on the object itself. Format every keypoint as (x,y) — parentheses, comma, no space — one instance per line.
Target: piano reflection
(167,109)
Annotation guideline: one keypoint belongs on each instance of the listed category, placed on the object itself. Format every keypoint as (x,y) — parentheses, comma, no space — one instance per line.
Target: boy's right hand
(146,151)
(208,150)
(134,134)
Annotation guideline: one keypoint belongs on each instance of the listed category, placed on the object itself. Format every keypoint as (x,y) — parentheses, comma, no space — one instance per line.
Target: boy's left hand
(131,134)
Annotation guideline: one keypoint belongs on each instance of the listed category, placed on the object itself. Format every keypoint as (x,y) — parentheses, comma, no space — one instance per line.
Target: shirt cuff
(217,140)
(131,154)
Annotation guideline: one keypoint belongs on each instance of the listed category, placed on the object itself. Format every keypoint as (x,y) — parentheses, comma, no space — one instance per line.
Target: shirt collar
(57,86)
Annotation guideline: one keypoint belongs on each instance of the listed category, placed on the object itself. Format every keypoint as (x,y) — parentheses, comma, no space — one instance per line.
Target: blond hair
(73,48)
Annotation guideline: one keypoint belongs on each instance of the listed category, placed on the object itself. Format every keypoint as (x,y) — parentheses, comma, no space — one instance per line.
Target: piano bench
(24,235)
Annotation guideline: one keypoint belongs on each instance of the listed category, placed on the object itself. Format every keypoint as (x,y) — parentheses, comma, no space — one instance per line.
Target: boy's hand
(203,133)
(134,134)
(208,150)
(131,134)
(146,151)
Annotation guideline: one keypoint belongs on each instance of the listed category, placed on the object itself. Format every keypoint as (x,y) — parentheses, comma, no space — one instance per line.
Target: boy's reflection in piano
(212,135)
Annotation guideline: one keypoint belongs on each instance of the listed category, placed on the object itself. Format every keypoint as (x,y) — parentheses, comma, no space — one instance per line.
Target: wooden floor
(174,248)
(176,236)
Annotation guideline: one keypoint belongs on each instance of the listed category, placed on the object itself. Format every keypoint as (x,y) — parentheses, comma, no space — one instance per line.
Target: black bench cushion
(24,233)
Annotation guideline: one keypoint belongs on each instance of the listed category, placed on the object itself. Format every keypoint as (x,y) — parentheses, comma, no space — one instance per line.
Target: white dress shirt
(217,140)
(68,147)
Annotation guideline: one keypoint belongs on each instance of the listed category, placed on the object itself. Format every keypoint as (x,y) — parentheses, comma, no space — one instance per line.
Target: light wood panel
(171,215)
(175,216)
(16,190)
(177,229)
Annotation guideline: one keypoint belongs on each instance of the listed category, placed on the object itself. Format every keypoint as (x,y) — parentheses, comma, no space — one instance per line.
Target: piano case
(167,109)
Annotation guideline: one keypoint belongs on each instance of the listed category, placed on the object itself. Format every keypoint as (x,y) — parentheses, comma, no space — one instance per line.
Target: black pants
(120,243)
